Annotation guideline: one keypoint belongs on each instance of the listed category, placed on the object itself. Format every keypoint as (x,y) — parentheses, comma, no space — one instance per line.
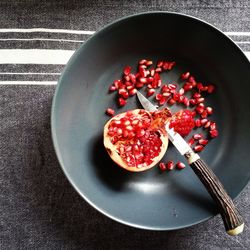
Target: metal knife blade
(180,144)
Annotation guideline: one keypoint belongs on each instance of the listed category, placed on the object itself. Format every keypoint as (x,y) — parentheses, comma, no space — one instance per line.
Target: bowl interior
(151,199)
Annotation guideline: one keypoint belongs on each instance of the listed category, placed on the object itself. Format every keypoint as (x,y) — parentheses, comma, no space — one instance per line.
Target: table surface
(39,208)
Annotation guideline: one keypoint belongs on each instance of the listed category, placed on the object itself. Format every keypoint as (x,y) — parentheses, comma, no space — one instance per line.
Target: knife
(232,219)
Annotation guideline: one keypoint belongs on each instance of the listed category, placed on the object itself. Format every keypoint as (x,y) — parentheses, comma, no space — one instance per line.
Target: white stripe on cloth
(41,39)
(34,56)
(80,32)
(28,82)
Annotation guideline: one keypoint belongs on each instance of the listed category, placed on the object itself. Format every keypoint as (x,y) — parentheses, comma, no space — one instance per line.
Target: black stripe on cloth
(26,77)
(35,68)
(37,44)
(52,35)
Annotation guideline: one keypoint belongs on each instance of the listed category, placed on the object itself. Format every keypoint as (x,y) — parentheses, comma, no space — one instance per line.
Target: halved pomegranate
(136,140)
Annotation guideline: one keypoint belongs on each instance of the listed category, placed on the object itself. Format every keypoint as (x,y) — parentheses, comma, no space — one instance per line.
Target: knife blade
(232,219)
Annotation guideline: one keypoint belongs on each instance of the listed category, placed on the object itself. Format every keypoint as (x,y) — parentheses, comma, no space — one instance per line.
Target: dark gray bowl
(152,200)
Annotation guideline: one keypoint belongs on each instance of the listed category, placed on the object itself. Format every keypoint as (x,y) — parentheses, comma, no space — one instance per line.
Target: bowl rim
(53,121)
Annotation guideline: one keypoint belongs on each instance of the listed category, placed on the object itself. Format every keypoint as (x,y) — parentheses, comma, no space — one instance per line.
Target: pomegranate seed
(129,84)
(171,65)
(150,92)
(126,70)
(204,114)
(162,101)
(159,64)
(204,121)
(201,105)
(196,95)
(170,165)
(199,100)
(112,88)
(187,86)
(117,83)
(181,91)
(180,165)
(199,110)
(121,101)
(185,76)
(207,125)
(132,78)
(165,65)
(158,70)
(197,136)
(158,97)
(186,101)
(132,91)
(148,63)
(210,88)
(209,110)
(171,101)
(127,78)
(150,79)
(143,61)
(213,126)
(191,141)
(110,111)
(162,166)
(166,94)
(152,72)
(139,85)
(143,80)
(214,133)
(192,102)
(198,148)
(172,86)
(191,79)
(176,97)
(205,88)
(123,93)
(198,123)
(203,142)
(199,86)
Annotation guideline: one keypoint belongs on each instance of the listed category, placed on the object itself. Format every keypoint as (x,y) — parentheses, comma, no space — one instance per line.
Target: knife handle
(232,219)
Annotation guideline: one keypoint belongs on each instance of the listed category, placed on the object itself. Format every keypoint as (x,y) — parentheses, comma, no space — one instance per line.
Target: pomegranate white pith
(136,140)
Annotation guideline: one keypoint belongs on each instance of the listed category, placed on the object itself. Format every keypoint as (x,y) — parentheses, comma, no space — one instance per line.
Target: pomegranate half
(136,140)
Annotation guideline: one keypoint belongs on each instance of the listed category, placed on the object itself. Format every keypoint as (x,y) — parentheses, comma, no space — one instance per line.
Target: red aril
(214,133)
(185,76)
(182,122)
(180,165)
(110,111)
(198,148)
(162,166)
(136,140)
(170,165)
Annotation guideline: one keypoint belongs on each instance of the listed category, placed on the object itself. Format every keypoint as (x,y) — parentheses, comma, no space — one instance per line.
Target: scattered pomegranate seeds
(170,165)
(148,76)
(180,165)
(110,111)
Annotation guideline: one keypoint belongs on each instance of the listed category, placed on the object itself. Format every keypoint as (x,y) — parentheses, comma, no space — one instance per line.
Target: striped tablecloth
(39,209)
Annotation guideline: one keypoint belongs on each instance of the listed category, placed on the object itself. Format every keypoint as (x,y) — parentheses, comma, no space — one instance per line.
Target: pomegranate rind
(114,153)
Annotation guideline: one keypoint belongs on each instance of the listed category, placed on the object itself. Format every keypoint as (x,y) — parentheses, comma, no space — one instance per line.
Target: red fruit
(209,110)
(187,86)
(162,101)
(185,76)
(182,122)
(171,101)
(196,95)
(112,88)
(203,142)
(181,91)
(191,141)
(110,111)
(210,88)
(198,123)
(170,165)
(127,70)
(148,63)
(132,91)
(198,148)
(136,140)
(162,166)
(143,61)
(160,64)
(192,102)
(207,125)
(204,121)
(213,126)
(204,114)
(164,88)
(158,97)
(199,86)
(150,92)
(123,93)
(214,133)
(121,102)
(180,165)
(197,136)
